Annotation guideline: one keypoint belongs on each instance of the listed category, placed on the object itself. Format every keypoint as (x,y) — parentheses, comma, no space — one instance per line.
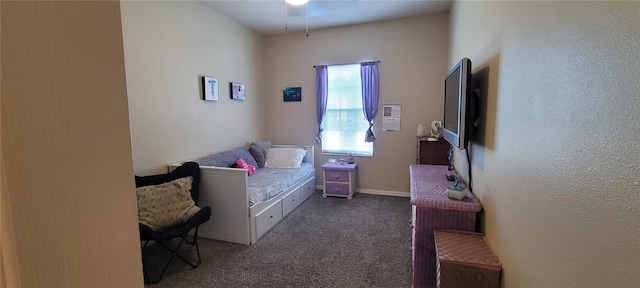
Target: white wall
(557,162)
(68,197)
(413,54)
(168,47)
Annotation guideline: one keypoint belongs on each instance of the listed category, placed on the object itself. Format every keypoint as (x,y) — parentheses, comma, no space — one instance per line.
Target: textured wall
(557,160)
(168,46)
(413,59)
(68,200)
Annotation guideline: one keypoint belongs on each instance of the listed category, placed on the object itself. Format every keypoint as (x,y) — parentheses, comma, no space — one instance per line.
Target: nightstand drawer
(336,176)
(337,189)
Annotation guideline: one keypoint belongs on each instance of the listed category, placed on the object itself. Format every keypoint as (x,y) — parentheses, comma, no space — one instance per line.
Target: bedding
(227,158)
(266,182)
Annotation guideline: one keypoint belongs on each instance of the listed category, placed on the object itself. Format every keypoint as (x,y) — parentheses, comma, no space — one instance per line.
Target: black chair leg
(174,253)
(145,270)
(195,243)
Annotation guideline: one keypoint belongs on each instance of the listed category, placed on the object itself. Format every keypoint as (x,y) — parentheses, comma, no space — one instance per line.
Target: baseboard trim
(377,192)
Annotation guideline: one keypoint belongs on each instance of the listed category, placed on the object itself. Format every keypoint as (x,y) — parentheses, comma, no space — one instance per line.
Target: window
(344,123)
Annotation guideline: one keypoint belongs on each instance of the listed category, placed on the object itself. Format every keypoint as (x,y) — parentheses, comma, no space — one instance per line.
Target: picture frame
(238,91)
(292,94)
(209,88)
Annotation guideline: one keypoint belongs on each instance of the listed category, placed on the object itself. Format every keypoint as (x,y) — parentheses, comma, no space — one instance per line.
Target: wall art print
(292,94)
(238,91)
(209,88)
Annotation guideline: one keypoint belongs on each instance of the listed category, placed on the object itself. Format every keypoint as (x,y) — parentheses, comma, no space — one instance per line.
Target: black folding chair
(181,231)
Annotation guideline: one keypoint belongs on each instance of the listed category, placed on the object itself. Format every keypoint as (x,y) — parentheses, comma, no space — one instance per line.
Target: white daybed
(238,217)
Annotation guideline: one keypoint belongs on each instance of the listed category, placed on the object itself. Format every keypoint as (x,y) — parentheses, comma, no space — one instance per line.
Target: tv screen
(458,104)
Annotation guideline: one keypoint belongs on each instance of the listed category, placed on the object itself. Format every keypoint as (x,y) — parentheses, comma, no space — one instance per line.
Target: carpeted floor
(326,242)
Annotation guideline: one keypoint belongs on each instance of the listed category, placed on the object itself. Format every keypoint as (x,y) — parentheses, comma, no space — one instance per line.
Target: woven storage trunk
(465,260)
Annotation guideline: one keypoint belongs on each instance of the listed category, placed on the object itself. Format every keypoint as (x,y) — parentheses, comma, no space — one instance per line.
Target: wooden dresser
(431,152)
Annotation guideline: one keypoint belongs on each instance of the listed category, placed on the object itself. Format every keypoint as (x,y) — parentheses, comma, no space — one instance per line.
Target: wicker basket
(464,259)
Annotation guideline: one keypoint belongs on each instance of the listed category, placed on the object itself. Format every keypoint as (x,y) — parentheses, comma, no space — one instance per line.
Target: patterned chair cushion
(166,205)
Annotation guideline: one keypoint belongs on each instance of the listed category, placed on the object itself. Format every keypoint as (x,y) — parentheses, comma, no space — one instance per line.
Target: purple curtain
(321,97)
(370,95)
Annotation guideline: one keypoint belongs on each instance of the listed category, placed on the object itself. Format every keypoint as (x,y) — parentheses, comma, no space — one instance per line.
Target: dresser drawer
(336,176)
(337,189)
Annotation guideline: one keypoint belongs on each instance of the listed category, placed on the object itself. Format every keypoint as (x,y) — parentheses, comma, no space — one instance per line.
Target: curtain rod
(377,61)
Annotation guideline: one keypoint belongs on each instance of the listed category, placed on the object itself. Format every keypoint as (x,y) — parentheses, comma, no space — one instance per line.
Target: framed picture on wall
(292,94)
(238,91)
(209,88)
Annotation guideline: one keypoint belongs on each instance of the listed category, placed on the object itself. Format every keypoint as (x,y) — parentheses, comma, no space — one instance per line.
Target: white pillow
(284,157)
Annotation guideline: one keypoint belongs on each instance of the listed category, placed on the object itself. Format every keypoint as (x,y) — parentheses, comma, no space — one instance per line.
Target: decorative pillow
(284,157)
(257,150)
(227,158)
(166,205)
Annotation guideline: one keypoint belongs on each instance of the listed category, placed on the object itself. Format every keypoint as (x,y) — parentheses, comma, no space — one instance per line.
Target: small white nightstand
(339,179)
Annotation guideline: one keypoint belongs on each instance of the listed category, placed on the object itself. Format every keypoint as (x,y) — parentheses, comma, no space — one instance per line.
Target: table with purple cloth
(433,210)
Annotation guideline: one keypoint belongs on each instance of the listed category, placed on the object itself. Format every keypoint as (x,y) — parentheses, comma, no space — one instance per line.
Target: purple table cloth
(434,211)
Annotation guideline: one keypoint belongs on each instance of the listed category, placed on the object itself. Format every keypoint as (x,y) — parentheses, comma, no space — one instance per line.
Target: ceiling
(267,17)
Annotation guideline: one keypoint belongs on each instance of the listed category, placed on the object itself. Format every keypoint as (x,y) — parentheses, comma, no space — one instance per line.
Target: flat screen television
(459,105)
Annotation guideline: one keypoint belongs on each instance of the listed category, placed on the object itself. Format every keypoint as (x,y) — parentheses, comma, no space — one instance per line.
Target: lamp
(296,2)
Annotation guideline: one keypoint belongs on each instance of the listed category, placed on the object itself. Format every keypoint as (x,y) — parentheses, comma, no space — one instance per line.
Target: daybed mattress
(266,182)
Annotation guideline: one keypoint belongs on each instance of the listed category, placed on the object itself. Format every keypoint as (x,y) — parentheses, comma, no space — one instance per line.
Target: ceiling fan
(296,2)
(313,8)
(307,8)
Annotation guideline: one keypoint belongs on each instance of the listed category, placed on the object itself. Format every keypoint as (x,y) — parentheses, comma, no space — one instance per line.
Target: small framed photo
(237,91)
(292,94)
(209,88)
